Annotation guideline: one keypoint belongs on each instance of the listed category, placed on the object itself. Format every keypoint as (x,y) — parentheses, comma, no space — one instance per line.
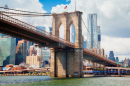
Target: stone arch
(72,32)
(61,31)
(67,19)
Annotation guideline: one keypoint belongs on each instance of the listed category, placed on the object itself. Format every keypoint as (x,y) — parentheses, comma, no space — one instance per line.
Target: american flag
(65,7)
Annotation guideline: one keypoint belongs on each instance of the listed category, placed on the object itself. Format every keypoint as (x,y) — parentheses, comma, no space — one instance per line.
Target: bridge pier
(66,63)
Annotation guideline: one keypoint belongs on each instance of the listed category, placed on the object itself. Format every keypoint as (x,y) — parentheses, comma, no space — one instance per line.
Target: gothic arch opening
(61,31)
(72,33)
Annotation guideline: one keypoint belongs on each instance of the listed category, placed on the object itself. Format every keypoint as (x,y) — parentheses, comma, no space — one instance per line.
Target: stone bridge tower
(67,62)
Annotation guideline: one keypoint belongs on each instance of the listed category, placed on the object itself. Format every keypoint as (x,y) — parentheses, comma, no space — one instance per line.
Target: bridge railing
(99,56)
(15,21)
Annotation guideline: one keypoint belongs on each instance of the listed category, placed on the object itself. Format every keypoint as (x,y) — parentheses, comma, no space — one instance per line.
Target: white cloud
(113,15)
(29,5)
(67,0)
(122,57)
(120,46)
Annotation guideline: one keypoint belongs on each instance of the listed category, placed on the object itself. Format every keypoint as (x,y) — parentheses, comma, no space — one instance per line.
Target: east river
(47,81)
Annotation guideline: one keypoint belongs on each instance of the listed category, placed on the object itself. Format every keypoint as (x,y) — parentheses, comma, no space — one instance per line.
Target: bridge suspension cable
(14,12)
(23,11)
(23,14)
(89,33)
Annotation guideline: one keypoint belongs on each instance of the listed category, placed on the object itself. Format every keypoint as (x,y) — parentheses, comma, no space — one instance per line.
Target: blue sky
(48,4)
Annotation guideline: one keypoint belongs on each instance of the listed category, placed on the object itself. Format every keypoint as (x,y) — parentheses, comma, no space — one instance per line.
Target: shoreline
(49,75)
(24,74)
(107,76)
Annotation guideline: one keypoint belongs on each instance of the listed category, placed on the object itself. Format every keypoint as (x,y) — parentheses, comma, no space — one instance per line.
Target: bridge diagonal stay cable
(89,33)
(85,43)
(74,38)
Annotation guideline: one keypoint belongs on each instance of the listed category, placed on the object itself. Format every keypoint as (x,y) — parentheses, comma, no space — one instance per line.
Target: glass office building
(21,52)
(7,50)
(93,37)
(117,60)
(99,37)
(111,56)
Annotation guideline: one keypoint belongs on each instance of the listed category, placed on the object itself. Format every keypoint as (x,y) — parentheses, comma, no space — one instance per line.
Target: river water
(47,81)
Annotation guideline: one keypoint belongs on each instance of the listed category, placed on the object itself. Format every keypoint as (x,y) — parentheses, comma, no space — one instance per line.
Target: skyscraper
(39,50)
(7,50)
(117,60)
(4,35)
(126,62)
(17,39)
(99,36)
(29,44)
(94,31)
(111,56)
(34,60)
(32,51)
(21,52)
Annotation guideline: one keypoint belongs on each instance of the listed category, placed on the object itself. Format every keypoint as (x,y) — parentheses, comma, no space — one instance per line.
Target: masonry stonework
(67,62)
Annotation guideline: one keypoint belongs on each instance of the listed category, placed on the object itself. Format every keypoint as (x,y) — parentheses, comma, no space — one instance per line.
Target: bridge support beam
(66,63)
(119,72)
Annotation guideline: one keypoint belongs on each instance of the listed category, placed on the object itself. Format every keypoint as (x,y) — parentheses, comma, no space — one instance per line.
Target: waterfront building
(126,62)
(21,52)
(32,51)
(129,63)
(34,60)
(121,63)
(39,50)
(111,56)
(117,60)
(7,50)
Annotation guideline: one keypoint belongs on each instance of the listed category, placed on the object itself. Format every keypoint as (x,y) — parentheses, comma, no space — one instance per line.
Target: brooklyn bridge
(66,57)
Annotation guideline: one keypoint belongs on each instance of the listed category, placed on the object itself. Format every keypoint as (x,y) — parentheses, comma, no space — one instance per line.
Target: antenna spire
(75,5)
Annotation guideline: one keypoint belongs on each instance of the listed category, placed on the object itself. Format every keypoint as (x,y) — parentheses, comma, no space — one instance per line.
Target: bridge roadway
(17,28)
